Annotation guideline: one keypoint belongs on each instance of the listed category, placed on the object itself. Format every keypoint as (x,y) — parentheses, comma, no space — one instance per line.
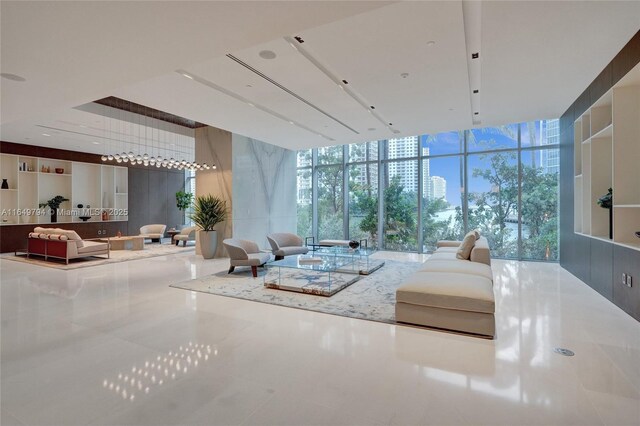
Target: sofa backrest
(153,229)
(239,249)
(480,252)
(283,239)
(69,234)
(189,230)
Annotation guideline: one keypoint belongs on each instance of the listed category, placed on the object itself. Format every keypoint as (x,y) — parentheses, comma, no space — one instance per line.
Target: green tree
(493,209)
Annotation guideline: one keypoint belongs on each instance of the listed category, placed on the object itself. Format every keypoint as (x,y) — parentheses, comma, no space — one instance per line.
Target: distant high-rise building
(550,135)
(304,188)
(438,186)
(406,170)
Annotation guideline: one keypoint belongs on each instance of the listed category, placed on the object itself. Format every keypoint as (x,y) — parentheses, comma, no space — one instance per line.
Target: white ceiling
(535,59)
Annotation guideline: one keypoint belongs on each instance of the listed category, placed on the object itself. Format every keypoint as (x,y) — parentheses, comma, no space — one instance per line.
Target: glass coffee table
(318,275)
(361,262)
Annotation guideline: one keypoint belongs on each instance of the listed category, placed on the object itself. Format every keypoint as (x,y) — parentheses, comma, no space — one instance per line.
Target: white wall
(264,189)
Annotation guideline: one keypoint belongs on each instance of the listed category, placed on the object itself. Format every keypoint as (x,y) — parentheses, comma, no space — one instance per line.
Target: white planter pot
(208,243)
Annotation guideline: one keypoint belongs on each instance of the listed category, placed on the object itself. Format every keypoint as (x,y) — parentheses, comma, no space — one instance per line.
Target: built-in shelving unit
(607,155)
(34,180)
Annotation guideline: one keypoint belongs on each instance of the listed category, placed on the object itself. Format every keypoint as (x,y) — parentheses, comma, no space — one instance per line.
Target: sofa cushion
(447,250)
(448,290)
(92,247)
(254,259)
(464,251)
(458,266)
(331,243)
(481,252)
(443,255)
(71,235)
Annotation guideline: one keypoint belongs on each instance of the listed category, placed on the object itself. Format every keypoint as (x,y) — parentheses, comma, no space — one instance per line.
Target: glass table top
(338,250)
(323,263)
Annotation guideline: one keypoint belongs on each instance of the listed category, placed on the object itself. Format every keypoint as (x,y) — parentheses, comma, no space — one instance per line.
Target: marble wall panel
(264,189)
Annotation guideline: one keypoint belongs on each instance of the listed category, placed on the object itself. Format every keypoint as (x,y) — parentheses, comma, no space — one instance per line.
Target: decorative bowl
(59,171)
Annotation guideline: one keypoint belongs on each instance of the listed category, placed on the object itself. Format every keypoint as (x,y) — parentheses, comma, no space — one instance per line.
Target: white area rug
(372,297)
(150,250)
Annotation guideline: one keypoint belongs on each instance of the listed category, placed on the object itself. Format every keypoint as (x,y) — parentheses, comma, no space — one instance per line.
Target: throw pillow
(464,251)
(477,234)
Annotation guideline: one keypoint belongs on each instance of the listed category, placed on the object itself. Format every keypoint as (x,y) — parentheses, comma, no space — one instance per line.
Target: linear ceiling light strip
(362,102)
(234,95)
(472,17)
(295,95)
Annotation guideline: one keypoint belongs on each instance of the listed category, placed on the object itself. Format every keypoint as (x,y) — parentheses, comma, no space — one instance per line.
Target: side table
(172,233)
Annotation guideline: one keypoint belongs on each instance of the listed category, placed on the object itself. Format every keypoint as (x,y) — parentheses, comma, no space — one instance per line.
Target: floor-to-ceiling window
(363,192)
(305,193)
(407,193)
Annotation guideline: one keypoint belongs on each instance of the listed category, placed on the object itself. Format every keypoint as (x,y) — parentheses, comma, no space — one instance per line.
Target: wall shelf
(82,183)
(607,155)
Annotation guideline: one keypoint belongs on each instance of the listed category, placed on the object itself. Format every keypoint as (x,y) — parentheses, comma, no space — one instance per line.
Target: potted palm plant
(208,211)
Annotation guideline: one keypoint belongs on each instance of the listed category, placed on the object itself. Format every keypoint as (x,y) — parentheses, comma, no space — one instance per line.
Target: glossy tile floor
(115,345)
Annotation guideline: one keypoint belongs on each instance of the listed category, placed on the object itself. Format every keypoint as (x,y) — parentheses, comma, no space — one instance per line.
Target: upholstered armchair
(153,232)
(187,234)
(245,253)
(286,244)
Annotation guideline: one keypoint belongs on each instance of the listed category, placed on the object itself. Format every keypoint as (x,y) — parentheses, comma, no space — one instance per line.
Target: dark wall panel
(175,183)
(598,263)
(152,195)
(138,199)
(626,261)
(602,268)
(157,196)
(626,59)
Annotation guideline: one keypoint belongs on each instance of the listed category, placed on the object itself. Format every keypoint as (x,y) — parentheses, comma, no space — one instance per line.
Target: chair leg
(231,268)
(184,244)
(177,242)
(254,271)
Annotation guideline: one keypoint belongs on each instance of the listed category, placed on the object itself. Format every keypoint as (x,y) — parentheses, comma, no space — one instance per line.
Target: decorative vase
(354,244)
(208,241)
(611,224)
(54,215)
(5,184)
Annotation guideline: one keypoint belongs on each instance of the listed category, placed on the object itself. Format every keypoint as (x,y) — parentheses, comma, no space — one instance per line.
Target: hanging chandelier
(155,147)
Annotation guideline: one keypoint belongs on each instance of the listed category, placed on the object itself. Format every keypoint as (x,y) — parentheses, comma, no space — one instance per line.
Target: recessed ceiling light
(96,143)
(404,75)
(46,134)
(431,43)
(12,77)
(187,75)
(476,91)
(267,54)
(476,113)
(475,55)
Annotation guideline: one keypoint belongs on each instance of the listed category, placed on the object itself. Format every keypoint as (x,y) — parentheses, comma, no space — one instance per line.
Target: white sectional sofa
(450,293)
